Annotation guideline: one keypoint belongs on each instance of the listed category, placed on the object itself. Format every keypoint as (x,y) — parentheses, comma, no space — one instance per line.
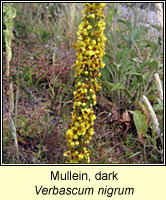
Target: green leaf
(106,71)
(134,154)
(140,122)
(126,22)
(159,41)
(134,33)
(105,74)
(153,98)
(151,44)
(118,86)
(110,70)
(153,66)
(132,72)
(157,27)
(108,56)
(139,77)
(127,40)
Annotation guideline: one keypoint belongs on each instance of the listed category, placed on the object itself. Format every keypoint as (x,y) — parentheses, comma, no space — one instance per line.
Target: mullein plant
(89,51)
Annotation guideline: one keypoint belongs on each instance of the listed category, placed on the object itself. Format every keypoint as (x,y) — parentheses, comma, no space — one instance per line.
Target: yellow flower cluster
(89,51)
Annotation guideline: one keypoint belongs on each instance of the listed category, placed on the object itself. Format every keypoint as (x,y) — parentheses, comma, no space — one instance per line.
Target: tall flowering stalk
(89,51)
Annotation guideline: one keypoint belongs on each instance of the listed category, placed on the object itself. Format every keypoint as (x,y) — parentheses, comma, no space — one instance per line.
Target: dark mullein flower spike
(89,51)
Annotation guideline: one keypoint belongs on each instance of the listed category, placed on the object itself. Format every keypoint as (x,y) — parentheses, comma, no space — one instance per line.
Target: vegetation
(38,84)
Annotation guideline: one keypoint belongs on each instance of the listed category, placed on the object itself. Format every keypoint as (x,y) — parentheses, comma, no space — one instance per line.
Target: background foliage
(43,84)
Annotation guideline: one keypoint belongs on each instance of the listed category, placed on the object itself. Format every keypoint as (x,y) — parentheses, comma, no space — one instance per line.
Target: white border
(86,164)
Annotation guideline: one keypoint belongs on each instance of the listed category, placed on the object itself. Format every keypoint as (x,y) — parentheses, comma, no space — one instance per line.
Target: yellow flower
(88,97)
(85,90)
(91,131)
(99,75)
(67,154)
(85,32)
(94,102)
(86,73)
(73,161)
(80,157)
(86,111)
(69,134)
(92,16)
(79,103)
(77,143)
(88,160)
(89,137)
(85,25)
(102,65)
(75,136)
(93,42)
(91,91)
(93,96)
(80,38)
(79,83)
(79,118)
(71,144)
(83,104)
(87,142)
(102,5)
(93,117)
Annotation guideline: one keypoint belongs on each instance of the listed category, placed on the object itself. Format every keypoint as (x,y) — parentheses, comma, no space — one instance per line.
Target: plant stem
(114,31)
(14,135)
